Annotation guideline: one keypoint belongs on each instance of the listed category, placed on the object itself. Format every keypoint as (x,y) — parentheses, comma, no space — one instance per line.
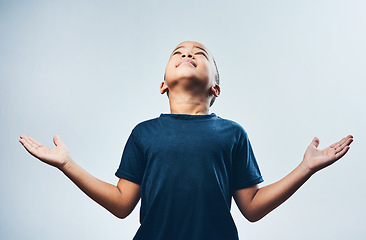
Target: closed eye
(202,53)
(176,52)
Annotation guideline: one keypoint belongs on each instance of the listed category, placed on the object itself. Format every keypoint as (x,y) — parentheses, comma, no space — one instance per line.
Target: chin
(187,78)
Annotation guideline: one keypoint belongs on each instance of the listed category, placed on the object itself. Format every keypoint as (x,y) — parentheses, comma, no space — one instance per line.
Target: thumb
(315,142)
(57,140)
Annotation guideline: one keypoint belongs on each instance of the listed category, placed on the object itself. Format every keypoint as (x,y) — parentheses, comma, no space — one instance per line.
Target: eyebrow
(193,46)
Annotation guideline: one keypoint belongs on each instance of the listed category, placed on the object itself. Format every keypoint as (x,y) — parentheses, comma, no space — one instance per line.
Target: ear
(215,90)
(163,87)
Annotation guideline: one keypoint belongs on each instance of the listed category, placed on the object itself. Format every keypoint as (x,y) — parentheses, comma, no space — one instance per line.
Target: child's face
(190,67)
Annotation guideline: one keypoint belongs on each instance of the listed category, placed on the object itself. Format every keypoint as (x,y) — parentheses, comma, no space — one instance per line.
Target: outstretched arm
(120,200)
(255,202)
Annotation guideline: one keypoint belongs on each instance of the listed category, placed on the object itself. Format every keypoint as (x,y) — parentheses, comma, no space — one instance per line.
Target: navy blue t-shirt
(188,167)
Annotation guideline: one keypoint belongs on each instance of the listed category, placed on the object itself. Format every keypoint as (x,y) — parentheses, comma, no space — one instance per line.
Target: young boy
(187,165)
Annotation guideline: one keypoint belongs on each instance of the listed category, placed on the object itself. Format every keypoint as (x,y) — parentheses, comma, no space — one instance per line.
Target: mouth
(187,61)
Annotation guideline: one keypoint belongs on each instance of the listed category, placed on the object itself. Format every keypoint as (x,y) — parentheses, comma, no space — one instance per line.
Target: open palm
(57,156)
(316,159)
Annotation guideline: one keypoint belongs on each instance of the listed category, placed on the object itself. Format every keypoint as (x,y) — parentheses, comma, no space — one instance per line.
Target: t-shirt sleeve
(246,171)
(132,165)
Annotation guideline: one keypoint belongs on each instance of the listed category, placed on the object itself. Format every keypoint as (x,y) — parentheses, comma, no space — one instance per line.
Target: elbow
(120,214)
(253,217)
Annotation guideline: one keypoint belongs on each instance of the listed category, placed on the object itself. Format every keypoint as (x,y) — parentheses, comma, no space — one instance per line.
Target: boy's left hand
(316,159)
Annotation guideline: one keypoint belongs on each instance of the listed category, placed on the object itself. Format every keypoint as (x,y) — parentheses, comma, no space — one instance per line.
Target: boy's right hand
(58,156)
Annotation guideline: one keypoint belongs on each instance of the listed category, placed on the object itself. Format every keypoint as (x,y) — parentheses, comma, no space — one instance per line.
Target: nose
(187,54)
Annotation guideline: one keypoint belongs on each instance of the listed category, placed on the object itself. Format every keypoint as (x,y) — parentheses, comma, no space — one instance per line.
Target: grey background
(90,71)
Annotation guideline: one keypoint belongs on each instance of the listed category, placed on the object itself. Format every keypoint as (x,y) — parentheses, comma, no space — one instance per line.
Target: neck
(191,105)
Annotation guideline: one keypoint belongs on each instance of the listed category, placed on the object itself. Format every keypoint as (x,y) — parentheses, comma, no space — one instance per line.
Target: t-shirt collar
(187,116)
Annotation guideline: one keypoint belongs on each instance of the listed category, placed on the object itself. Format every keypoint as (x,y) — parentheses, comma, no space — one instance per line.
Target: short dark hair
(217,80)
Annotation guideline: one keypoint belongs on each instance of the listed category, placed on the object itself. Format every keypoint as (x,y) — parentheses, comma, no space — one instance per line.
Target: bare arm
(120,200)
(255,202)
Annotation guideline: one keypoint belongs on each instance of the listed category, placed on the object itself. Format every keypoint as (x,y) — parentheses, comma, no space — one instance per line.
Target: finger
(30,142)
(347,142)
(35,142)
(32,150)
(342,153)
(340,142)
(344,141)
(315,142)
(344,144)
(57,140)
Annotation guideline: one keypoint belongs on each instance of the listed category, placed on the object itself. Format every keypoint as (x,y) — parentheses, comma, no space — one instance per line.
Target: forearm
(270,197)
(255,203)
(105,194)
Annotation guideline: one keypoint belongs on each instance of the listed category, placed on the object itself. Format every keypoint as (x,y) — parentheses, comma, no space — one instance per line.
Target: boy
(187,165)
